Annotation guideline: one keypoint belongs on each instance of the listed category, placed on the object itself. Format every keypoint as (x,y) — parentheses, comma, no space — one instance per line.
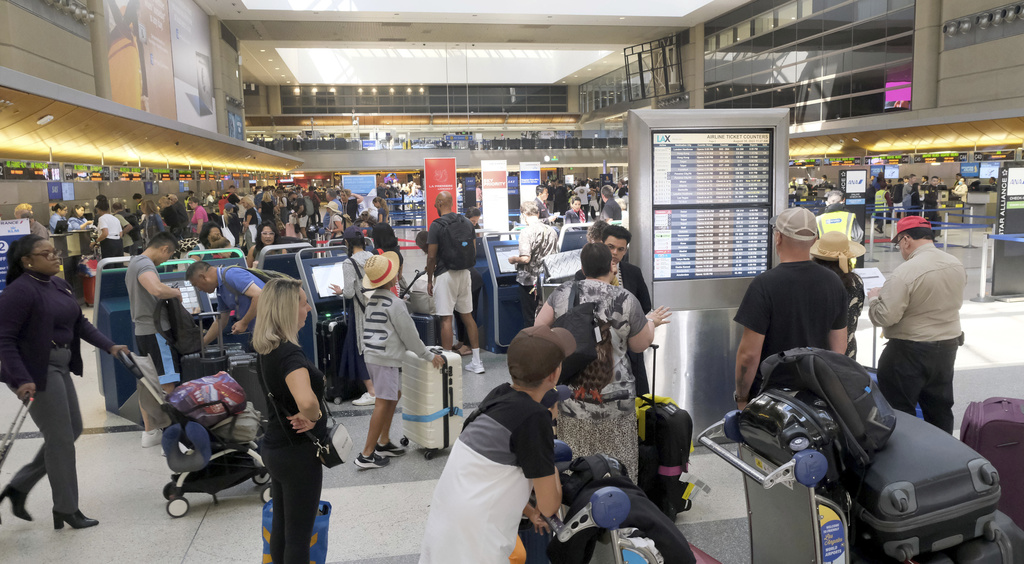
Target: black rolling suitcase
(206,362)
(925,492)
(330,337)
(666,436)
(429,328)
(242,367)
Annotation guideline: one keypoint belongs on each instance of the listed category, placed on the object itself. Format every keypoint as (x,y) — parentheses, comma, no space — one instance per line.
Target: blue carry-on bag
(317,542)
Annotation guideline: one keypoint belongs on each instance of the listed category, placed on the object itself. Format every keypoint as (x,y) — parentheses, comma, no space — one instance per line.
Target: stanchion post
(945,230)
(982,285)
(871,243)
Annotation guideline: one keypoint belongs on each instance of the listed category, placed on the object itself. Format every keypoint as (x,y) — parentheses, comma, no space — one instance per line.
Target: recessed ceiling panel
(647,8)
(434,66)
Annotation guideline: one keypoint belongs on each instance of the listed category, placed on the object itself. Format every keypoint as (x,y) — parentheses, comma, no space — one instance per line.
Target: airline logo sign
(856,181)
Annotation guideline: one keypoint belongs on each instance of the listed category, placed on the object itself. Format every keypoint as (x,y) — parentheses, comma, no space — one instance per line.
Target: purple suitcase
(995,428)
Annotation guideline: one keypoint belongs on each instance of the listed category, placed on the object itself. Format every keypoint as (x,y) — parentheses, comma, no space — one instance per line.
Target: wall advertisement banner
(193,69)
(439,176)
(139,53)
(493,177)
(10,231)
(529,179)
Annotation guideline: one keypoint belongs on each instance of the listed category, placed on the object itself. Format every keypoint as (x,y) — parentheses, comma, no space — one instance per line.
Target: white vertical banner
(529,179)
(494,185)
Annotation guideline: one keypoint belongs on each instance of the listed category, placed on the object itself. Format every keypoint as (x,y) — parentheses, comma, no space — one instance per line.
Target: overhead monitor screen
(711,168)
(502,254)
(989,170)
(712,203)
(326,274)
(892,171)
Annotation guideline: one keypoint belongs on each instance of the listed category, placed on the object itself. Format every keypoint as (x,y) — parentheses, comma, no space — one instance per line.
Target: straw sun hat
(835,246)
(380,269)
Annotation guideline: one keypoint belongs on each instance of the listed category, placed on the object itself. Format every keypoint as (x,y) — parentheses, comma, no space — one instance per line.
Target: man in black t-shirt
(796,304)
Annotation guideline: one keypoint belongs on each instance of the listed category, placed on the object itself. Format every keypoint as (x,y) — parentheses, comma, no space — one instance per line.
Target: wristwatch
(737,398)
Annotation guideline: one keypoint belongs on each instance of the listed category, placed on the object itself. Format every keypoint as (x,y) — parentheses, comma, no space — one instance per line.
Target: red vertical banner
(438,176)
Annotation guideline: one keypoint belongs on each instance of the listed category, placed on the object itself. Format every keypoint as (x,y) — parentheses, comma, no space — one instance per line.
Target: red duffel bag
(208,400)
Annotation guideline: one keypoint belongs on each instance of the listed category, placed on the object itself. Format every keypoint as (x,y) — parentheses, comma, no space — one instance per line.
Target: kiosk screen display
(189,297)
(326,274)
(501,254)
(712,203)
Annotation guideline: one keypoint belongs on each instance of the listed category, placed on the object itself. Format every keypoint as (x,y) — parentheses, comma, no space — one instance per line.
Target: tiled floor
(378,516)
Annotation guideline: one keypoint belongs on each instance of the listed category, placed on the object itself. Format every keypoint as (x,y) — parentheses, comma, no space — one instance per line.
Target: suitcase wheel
(265,494)
(177,507)
(261,478)
(337,400)
(429,455)
(404,442)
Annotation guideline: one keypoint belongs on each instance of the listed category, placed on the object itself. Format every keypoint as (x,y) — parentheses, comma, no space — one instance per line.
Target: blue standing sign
(10,231)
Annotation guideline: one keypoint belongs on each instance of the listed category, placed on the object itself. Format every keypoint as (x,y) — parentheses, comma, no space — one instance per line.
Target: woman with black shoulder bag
(295,392)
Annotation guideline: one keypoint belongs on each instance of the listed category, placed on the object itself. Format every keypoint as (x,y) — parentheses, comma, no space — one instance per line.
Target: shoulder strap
(359,276)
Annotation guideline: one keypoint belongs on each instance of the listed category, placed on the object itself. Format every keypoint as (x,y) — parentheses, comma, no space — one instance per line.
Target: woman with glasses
(40,313)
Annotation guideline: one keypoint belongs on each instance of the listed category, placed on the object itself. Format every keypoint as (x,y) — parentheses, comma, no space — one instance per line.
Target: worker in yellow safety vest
(837,218)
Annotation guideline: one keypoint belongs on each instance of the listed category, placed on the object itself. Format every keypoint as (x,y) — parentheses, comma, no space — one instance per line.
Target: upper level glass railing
(579,140)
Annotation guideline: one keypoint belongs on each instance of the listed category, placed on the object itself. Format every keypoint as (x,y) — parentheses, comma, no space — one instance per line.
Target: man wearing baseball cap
(798,303)
(505,451)
(918,308)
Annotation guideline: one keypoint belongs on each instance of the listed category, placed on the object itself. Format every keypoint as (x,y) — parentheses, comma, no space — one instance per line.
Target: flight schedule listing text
(710,243)
(711,168)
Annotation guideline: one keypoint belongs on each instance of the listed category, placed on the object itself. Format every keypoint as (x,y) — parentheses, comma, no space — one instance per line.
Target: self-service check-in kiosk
(281,258)
(503,314)
(112,316)
(703,185)
(572,236)
(321,268)
(221,258)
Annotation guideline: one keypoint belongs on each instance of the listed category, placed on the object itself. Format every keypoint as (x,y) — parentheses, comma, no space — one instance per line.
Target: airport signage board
(439,176)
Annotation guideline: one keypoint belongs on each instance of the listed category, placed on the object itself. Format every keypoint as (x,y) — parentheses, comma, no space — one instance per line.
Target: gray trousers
(59,418)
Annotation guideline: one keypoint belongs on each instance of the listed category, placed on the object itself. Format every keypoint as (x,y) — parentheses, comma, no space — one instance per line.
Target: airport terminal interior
(705,117)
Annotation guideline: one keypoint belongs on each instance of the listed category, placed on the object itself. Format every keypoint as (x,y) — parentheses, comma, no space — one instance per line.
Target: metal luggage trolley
(789,521)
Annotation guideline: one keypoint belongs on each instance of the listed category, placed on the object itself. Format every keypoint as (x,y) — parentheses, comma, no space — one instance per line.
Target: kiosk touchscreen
(326,275)
(704,185)
(503,315)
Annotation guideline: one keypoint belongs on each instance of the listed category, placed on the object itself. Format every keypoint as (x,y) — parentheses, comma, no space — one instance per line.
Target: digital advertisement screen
(712,203)
(892,171)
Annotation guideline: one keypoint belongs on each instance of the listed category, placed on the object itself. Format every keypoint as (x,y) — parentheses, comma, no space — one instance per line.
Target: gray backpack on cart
(865,417)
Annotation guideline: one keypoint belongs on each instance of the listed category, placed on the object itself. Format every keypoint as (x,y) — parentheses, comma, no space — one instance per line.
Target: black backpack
(865,417)
(184,335)
(588,367)
(457,242)
(586,469)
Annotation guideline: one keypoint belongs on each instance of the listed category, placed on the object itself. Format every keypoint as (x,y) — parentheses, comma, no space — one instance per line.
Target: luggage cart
(789,520)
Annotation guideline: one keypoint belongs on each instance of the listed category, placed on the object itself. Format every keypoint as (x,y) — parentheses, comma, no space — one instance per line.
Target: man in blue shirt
(237,290)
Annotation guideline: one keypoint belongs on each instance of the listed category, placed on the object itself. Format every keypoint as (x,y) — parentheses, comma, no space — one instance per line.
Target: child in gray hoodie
(388,331)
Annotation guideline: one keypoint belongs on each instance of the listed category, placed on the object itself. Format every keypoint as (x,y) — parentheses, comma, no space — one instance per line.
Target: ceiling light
(620,17)
(287,82)
(44,120)
(263,50)
(297,90)
(314,90)
(277,68)
(408,90)
(360,90)
(332,90)
(374,90)
(391,90)
(270,60)
(421,90)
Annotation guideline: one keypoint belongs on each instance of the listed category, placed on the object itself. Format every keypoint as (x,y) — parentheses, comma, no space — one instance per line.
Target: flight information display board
(711,168)
(712,202)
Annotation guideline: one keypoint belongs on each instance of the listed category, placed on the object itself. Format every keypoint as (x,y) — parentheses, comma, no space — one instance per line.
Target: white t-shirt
(110,222)
(583,194)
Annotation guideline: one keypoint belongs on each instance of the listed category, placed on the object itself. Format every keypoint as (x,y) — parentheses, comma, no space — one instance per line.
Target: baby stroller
(201,460)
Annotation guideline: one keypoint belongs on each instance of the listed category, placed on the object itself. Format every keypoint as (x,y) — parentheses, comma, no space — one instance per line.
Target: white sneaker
(475,366)
(152,438)
(365,399)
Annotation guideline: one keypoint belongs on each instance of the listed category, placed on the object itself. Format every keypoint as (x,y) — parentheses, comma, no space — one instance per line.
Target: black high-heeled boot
(17,502)
(76,520)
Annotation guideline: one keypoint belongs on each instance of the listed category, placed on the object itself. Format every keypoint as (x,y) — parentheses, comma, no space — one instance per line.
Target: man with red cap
(918,308)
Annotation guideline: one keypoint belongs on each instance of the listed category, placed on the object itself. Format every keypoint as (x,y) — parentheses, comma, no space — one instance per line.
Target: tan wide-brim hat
(332,205)
(835,246)
(380,269)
